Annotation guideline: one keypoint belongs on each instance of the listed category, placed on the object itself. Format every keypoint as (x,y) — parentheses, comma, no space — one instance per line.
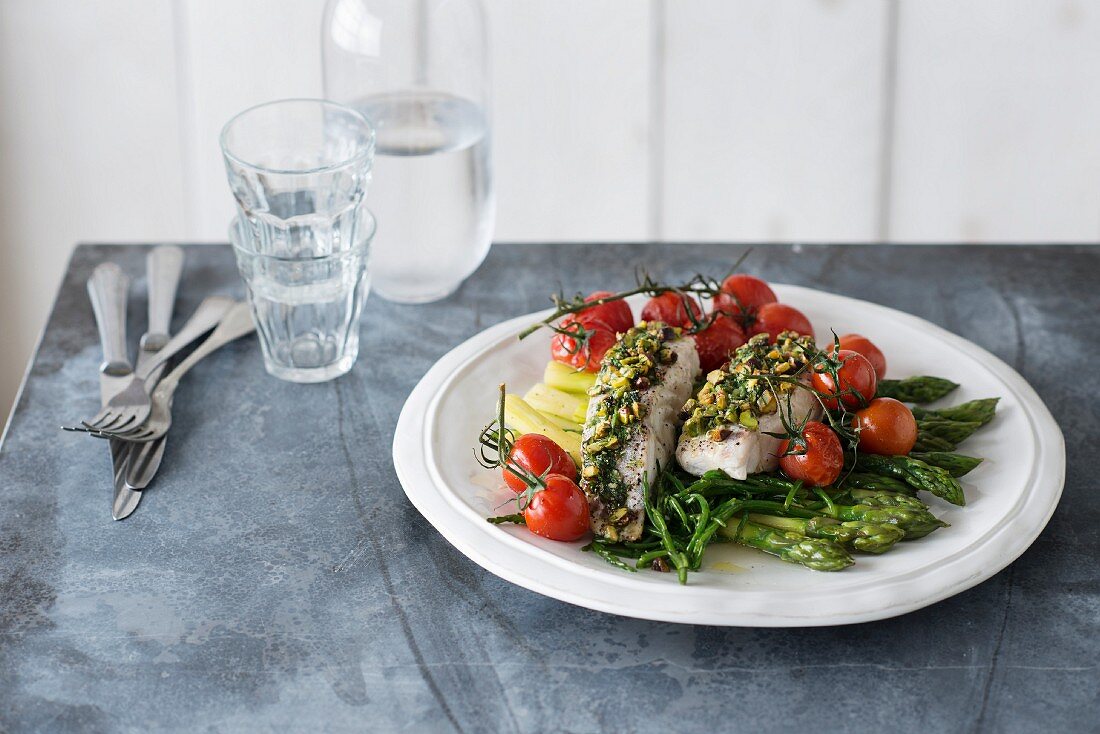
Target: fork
(131,405)
(236,323)
(163,267)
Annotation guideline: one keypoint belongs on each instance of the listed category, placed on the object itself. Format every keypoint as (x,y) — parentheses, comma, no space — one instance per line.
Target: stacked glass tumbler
(299,171)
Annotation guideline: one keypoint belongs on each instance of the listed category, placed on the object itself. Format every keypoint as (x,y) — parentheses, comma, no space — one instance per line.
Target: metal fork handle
(163,267)
(236,323)
(108,288)
(205,318)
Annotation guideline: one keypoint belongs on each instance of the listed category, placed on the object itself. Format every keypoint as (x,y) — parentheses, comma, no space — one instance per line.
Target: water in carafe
(432,193)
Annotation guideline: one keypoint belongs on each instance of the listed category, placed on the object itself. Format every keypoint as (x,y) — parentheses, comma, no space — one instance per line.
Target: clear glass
(307,307)
(418,69)
(299,170)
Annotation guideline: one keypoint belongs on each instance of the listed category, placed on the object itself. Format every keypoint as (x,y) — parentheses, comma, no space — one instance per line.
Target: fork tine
(99,418)
(128,436)
(102,423)
(113,425)
(111,435)
(123,422)
(120,417)
(141,435)
(131,436)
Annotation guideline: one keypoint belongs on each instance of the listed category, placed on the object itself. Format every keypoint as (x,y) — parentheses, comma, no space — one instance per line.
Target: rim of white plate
(609,590)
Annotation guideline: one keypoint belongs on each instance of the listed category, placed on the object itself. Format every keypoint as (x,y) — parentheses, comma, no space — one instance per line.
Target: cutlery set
(135,402)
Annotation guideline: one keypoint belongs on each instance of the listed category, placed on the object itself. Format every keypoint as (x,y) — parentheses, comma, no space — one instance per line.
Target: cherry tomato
(558,512)
(669,309)
(537,455)
(740,290)
(774,318)
(855,373)
(715,342)
(563,348)
(886,427)
(822,461)
(616,314)
(864,346)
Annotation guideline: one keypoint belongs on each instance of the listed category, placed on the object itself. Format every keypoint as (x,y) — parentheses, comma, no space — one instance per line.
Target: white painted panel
(773,119)
(238,54)
(570,90)
(998,121)
(570,116)
(89,147)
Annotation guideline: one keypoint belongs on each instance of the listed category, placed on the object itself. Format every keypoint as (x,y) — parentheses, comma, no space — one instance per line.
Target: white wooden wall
(838,120)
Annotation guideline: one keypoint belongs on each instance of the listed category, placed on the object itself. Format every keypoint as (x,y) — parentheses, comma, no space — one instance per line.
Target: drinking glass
(299,170)
(306,307)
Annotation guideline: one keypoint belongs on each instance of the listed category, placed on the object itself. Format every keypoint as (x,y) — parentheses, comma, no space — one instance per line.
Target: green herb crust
(740,392)
(631,366)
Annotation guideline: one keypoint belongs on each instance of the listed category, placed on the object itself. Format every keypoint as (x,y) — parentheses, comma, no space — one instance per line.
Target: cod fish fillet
(744,451)
(631,424)
(728,420)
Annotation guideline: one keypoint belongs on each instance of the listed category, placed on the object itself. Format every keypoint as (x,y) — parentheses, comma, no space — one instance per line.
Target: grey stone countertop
(275,578)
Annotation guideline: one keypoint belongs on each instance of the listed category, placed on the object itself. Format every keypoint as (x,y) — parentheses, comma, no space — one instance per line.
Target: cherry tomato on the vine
(854,373)
(886,427)
(616,314)
(669,308)
(866,347)
(715,342)
(537,455)
(775,318)
(587,356)
(743,291)
(821,462)
(559,511)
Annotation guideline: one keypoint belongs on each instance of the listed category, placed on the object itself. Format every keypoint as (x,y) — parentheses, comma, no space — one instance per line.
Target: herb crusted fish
(631,424)
(728,421)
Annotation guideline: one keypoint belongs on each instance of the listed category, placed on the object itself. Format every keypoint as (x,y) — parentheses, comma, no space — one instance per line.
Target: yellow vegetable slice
(551,401)
(565,378)
(522,418)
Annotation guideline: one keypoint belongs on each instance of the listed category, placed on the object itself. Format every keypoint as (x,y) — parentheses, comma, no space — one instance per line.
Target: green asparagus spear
(916,474)
(874,537)
(721,514)
(888,509)
(886,499)
(814,553)
(954,432)
(956,465)
(827,528)
(931,443)
(979,411)
(915,389)
(864,536)
(863,480)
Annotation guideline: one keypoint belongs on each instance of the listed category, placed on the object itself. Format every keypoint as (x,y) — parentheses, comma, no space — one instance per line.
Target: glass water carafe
(418,69)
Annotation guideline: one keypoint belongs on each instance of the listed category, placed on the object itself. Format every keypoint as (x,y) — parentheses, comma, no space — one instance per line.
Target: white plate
(1010,496)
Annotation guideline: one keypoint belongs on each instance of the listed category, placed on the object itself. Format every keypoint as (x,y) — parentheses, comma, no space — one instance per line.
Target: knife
(108,289)
(136,464)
